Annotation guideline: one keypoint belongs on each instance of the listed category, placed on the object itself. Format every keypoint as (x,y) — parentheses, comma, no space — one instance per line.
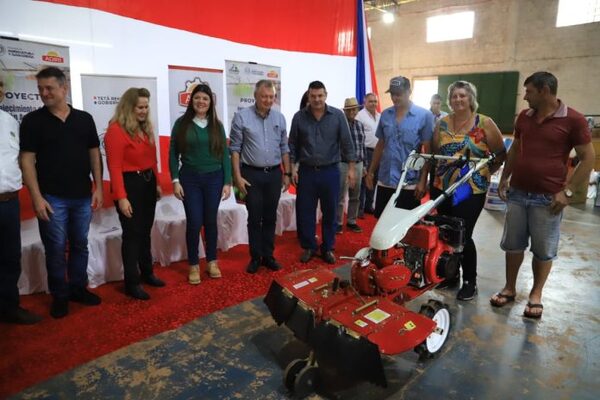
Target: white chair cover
(34,277)
(286,213)
(168,232)
(232,221)
(105,263)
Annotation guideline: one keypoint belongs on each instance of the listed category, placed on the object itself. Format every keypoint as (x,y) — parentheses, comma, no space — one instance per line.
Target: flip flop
(531,306)
(500,296)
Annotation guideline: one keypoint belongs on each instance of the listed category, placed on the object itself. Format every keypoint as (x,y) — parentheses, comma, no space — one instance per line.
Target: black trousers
(10,254)
(469,210)
(262,201)
(406,199)
(135,249)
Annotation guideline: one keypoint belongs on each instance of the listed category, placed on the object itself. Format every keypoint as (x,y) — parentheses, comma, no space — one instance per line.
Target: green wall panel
(496,94)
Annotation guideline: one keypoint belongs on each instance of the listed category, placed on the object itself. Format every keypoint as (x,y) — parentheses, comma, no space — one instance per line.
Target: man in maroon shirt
(538,189)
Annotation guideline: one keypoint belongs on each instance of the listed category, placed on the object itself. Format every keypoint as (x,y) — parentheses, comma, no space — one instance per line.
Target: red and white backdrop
(308,40)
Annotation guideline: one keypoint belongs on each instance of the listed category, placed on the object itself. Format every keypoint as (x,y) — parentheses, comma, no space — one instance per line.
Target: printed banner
(101,94)
(182,81)
(240,79)
(20,61)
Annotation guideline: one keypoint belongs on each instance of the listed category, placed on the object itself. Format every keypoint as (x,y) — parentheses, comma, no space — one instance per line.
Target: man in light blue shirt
(402,128)
(259,145)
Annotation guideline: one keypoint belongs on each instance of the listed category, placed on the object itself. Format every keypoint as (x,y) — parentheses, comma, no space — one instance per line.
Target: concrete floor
(239,353)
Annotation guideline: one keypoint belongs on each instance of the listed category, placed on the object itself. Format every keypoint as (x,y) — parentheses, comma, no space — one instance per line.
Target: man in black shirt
(59,149)
(318,134)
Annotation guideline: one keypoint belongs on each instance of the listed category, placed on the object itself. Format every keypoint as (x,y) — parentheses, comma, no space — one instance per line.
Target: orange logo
(272,74)
(53,57)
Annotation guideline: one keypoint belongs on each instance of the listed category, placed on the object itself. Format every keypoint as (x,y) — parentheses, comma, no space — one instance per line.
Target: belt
(9,196)
(317,167)
(264,169)
(146,174)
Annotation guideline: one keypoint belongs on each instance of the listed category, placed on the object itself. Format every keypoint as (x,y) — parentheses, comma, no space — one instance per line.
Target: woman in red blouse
(132,164)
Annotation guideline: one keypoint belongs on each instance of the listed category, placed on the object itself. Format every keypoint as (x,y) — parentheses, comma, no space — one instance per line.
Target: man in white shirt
(10,223)
(436,108)
(369,117)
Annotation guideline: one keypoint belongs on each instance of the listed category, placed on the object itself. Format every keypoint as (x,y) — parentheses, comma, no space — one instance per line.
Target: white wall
(131,47)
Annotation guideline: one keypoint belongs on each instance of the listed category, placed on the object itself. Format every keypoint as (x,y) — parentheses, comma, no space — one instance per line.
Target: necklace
(462,126)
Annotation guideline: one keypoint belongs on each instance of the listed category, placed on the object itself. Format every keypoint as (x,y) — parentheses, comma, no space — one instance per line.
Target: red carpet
(31,354)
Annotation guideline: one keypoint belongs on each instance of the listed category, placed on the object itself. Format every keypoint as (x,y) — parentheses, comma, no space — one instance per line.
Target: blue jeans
(528,216)
(69,224)
(201,198)
(10,254)
(313,185)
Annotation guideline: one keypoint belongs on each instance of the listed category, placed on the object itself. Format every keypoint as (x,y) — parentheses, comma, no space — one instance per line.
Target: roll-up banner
(20,61)
(240,78)
(101,94)
(182,80)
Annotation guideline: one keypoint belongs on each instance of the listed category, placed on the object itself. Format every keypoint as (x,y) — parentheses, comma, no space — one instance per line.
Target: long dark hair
(216,140)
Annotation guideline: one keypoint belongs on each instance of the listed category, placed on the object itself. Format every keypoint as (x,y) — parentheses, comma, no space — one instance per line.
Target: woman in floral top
(465,131)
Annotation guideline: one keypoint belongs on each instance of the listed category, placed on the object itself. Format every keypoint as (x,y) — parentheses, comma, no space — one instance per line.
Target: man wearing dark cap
(402,128)
(319,137)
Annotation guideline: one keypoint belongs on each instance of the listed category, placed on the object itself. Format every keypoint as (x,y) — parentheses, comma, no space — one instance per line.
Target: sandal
(500,299)
(532,306)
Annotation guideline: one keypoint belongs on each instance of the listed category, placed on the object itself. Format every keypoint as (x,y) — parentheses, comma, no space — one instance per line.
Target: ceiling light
(388,17)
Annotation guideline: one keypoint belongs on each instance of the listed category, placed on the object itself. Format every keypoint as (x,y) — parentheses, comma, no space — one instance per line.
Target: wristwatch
(288,174)
(568,193)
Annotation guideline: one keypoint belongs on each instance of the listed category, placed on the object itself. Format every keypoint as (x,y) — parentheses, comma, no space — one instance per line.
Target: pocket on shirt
(410,137)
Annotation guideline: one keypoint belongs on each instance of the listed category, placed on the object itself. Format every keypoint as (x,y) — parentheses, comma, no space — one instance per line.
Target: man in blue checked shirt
(319,138)
(258,145)
(402,128)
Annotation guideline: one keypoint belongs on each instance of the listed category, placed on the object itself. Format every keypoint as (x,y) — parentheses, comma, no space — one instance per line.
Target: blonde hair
(469,88)
(125,116)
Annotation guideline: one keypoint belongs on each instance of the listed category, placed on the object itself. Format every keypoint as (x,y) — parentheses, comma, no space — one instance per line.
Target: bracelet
(288,174)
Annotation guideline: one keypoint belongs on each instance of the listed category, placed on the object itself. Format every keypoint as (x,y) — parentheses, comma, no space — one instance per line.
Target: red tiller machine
(350,324)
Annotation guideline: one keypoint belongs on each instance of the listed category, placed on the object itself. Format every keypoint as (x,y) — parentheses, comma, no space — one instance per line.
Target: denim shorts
(528,216)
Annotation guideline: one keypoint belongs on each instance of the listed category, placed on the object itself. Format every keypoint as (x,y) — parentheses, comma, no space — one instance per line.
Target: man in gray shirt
(258,145)
(318,135)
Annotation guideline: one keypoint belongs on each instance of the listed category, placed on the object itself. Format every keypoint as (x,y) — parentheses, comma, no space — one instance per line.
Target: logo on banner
(106,100)
(234,69)
(2,50)
(19,52)
(183,97)
(254,71)
(272,74)
(53,57)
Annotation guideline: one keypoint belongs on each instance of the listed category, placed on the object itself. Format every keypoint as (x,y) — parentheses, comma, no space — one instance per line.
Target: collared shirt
(400,140)
(127,154)
(10,174)
(544,149)
(370,123)
(260,141)
(319,143)
(437,117)
(62,150)
(357,131)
